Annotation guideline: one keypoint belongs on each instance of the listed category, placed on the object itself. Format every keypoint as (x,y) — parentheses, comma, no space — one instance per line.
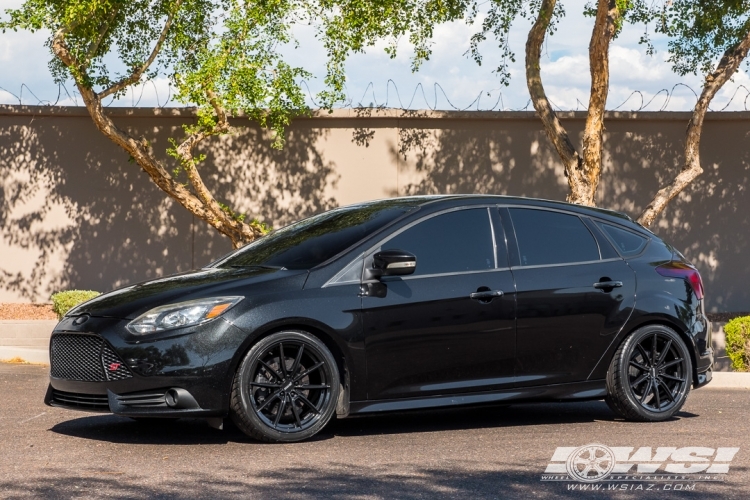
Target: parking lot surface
(488,452)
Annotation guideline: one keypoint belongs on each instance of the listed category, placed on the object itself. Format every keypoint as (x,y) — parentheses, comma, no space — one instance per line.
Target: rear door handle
(607,284)
(486,294)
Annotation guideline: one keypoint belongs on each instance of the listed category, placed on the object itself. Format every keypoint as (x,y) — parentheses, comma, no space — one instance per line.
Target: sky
(449,80)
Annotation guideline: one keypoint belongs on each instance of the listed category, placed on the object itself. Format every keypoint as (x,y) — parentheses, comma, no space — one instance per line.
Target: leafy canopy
(702,31)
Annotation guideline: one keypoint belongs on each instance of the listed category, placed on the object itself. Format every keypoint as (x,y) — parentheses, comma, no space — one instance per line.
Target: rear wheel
(286,388)
(650,375)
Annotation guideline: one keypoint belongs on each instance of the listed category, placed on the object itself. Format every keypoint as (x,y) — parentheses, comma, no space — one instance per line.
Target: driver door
(424,333)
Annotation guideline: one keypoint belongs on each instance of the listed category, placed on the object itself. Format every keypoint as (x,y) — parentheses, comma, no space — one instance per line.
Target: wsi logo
(597,462)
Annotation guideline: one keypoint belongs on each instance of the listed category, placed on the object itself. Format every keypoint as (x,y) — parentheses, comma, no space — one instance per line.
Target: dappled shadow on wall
(509,157)
(709,221)
(75,213)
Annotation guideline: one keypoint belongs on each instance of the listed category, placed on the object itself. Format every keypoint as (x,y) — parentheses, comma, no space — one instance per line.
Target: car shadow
(116,429)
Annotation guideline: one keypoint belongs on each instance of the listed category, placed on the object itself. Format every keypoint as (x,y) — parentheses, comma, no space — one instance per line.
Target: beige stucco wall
(74,212)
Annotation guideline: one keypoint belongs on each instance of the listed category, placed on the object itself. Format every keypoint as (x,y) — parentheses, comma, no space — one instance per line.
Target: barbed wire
(662,98)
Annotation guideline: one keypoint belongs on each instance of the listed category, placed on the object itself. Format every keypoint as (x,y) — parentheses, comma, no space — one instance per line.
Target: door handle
(607,284)
(486,294)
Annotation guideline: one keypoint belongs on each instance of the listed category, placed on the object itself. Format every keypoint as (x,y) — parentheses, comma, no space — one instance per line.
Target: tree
(223,57)
(701,33)
(583,170)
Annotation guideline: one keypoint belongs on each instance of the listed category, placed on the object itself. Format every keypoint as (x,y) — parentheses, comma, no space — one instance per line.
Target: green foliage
(701,32)
(62,302)
(738,343)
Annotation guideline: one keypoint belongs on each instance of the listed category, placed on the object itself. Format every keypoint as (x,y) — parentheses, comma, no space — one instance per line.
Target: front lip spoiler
(118,405)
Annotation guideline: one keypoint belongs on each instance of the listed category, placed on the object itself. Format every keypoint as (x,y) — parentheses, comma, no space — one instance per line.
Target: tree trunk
(202,204)
(692,168)
(582,171)
(607,15)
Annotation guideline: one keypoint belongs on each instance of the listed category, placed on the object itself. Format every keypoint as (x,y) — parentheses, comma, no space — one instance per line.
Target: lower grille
(85,358)
(143,400)
(93,402)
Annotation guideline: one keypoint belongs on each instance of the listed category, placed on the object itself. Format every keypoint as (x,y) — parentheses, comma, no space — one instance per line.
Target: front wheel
(650,375)
(286,388)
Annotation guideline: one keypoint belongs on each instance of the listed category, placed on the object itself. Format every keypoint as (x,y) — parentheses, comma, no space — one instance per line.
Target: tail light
(686,272)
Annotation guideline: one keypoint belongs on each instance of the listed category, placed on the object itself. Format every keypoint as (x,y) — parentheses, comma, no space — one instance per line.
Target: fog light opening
(172,397)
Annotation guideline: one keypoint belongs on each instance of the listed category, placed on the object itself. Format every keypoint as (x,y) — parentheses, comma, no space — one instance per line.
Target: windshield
(312,241)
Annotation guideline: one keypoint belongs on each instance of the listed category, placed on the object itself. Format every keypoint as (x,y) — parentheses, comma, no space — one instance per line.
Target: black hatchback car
(398,304)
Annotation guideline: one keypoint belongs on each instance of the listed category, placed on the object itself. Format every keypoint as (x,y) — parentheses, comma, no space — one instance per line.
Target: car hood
(132,301)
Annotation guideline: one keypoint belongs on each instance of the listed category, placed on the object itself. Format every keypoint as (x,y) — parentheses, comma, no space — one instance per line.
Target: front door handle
(486,295)
(607,284)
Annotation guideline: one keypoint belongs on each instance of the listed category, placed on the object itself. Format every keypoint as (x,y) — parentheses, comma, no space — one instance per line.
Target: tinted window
(552,238)
(307,243)
(626,242)
(453,242)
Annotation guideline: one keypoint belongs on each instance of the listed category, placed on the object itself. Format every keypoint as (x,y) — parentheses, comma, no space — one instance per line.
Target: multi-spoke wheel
(286,388)
(650,375)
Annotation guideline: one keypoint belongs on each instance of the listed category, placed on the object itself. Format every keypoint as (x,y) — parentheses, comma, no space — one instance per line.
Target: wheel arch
(313,328)
(600,371)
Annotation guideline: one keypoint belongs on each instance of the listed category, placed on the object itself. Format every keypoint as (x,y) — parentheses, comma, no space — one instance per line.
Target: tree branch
(103,30)
(136,75)
(726,68)
(203,206)
(552,126)
(238,231)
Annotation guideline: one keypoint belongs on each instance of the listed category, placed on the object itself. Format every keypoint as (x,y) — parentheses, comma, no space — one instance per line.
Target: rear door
(424,333)
(574,293)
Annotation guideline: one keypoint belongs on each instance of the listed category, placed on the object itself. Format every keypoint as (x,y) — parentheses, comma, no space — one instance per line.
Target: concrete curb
(26,339)
(729,380)
(29,354)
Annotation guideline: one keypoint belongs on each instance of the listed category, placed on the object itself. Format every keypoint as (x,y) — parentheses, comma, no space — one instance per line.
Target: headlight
(190,313)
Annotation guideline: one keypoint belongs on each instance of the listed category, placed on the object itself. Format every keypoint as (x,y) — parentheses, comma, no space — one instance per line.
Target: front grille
(93,402)
(85,358)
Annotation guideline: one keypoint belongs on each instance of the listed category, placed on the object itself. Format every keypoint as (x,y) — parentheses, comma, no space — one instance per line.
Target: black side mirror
(391,263)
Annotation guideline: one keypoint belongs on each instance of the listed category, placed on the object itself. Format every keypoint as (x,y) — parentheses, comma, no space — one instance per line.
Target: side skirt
(577,391)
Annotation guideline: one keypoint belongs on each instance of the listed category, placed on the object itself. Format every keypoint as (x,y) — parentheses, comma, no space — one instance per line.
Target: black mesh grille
(85,358)
(113,366)
(93,402)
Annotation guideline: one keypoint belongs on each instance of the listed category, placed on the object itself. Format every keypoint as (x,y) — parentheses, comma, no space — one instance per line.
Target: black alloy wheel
(650,375)
(286,388)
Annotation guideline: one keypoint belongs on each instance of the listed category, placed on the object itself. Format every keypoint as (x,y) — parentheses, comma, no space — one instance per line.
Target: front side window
(546,238)
(453,242)
(312,241)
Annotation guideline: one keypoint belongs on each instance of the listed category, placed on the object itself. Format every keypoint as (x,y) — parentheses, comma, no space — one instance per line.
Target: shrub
(738,343)
(63,302)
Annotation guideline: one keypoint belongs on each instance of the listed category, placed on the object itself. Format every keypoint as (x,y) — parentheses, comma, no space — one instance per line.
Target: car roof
(479,199)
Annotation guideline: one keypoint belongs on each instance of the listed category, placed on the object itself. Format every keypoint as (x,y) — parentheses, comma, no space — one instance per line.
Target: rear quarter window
(627,242)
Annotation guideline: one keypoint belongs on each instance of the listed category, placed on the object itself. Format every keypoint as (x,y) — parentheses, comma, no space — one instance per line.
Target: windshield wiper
(259,266)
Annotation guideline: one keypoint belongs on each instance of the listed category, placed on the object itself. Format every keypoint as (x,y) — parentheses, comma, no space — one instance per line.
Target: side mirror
(391,263)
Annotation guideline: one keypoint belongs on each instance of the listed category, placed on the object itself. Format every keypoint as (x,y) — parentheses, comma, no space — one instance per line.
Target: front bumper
(175,374)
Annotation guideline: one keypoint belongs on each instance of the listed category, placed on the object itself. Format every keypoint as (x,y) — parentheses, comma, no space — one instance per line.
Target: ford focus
(393,305)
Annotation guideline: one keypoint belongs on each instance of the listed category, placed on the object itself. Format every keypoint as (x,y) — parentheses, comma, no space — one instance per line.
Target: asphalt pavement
(487,452)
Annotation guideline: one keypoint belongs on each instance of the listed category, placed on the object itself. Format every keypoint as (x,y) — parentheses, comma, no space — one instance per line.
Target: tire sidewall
(623,367)
(245,373)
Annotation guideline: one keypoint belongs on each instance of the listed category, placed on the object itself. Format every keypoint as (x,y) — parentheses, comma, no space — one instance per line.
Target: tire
(642,390)
(287,402)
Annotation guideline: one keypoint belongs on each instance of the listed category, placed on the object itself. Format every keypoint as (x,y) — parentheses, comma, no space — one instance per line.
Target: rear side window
(448,243)
(626,242)
(546,238)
